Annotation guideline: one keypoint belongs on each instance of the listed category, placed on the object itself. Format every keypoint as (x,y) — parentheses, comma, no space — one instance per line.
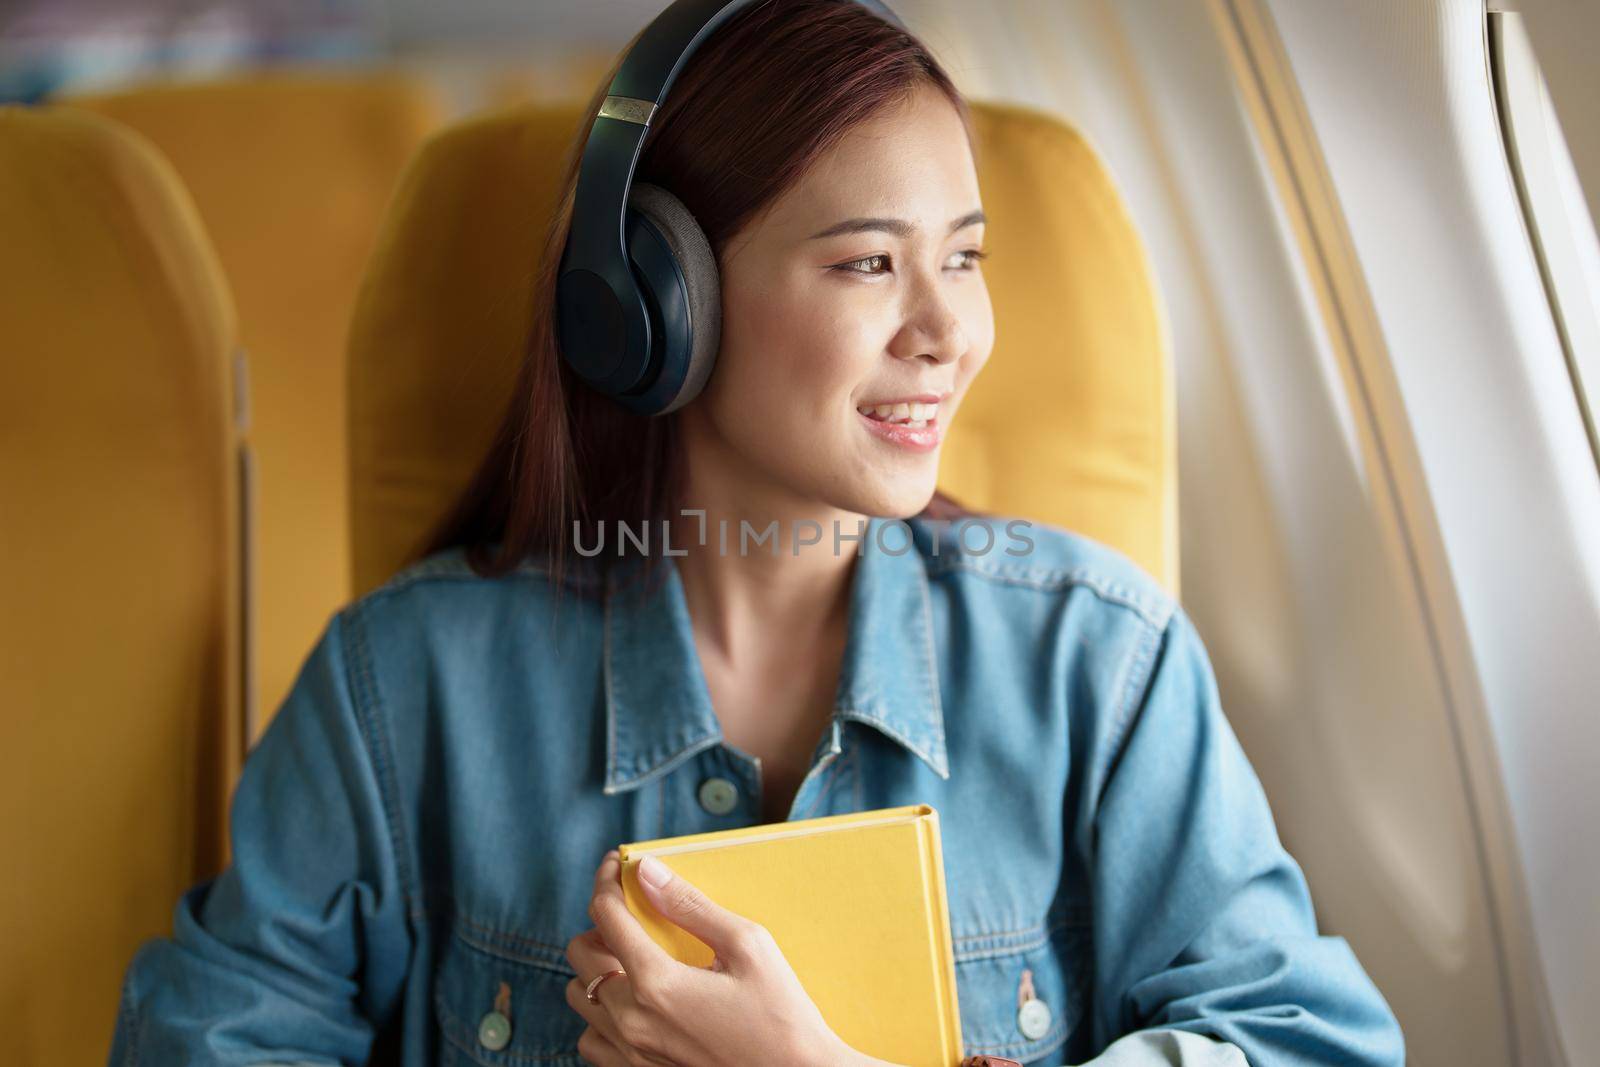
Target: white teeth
(913,413)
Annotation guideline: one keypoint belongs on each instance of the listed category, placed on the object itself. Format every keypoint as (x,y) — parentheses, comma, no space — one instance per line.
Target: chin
(893,501)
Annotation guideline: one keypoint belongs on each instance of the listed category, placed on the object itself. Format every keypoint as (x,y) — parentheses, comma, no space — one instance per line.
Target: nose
(931,329)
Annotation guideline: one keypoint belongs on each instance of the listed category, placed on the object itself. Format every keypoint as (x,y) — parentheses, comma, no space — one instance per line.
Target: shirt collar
(658,707)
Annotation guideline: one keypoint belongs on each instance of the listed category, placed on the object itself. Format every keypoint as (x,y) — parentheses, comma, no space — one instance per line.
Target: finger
(595,1015)
(611,1054)
(600,1018)
(595,1048)
(639,954)
(589,955)
(685,905)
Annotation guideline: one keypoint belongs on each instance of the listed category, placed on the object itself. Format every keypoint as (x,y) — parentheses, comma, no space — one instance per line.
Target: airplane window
(1559,225)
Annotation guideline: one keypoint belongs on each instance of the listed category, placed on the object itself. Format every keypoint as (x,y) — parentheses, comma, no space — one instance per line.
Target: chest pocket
(539,1028)
(990,982)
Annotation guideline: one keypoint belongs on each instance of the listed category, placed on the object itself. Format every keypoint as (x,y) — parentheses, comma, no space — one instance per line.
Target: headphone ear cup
(690,318)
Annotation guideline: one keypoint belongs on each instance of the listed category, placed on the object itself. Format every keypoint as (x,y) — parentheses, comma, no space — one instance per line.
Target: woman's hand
(747,1007)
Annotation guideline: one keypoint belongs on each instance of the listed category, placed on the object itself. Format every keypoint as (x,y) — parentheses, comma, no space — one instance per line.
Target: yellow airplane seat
(292,174)
(1072,422)
(119,569)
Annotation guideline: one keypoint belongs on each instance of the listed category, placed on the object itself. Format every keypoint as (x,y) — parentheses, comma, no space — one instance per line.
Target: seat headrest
(291,172)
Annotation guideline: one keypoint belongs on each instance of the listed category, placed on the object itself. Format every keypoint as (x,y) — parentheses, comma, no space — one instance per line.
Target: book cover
(857,904)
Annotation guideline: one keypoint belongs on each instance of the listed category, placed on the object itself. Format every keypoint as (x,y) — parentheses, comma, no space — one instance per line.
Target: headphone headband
(605,325)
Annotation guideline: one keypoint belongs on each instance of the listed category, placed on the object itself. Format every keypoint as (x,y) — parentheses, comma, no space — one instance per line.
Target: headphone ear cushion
(701,278)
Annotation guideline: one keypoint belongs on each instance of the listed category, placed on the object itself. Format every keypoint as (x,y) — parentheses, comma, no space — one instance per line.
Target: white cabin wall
(1345,663)
(1504,466)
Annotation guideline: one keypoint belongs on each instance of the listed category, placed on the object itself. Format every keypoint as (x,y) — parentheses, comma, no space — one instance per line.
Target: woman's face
(858,288)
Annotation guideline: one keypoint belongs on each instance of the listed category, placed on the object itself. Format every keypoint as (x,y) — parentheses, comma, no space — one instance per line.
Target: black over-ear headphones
(638,300)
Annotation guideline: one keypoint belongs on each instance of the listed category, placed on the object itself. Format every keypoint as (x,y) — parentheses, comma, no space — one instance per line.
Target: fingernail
(654,871)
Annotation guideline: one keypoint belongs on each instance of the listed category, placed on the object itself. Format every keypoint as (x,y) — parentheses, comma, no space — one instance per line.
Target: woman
(416,836)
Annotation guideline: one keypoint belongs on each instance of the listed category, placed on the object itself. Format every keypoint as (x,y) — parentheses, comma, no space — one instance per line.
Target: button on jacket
(415,835)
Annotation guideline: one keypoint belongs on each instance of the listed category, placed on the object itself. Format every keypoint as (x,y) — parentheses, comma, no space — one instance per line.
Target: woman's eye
(854,265)
(967,259)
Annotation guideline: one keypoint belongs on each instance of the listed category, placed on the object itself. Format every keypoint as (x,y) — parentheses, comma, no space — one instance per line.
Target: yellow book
(857,904)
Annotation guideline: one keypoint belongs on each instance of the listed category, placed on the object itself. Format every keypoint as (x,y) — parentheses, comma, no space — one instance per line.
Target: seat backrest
(1071,422)
(292,173)
(119,601)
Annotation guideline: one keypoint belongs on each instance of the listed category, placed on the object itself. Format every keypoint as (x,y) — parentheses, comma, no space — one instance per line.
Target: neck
(741,594)
(739,601)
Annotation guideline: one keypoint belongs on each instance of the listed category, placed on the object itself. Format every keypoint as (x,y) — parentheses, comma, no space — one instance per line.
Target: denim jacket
(422,819)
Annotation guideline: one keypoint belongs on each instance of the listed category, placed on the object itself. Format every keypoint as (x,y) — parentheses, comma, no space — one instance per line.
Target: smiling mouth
(915,415)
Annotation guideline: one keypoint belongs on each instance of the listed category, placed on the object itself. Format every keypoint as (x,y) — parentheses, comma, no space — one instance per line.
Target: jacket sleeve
(1203,922)
(297,950)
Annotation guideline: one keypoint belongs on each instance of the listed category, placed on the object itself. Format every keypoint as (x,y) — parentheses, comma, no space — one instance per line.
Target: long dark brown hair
(771,90)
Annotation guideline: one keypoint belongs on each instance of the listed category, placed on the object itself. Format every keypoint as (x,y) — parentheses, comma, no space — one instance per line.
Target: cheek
(977,317)
(977,322)
(790,353)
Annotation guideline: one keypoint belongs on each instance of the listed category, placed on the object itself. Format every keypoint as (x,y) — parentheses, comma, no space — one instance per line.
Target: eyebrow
(898,227)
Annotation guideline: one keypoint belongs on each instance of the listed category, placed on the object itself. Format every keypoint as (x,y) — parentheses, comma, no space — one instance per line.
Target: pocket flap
(989,982)
(539,1027)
